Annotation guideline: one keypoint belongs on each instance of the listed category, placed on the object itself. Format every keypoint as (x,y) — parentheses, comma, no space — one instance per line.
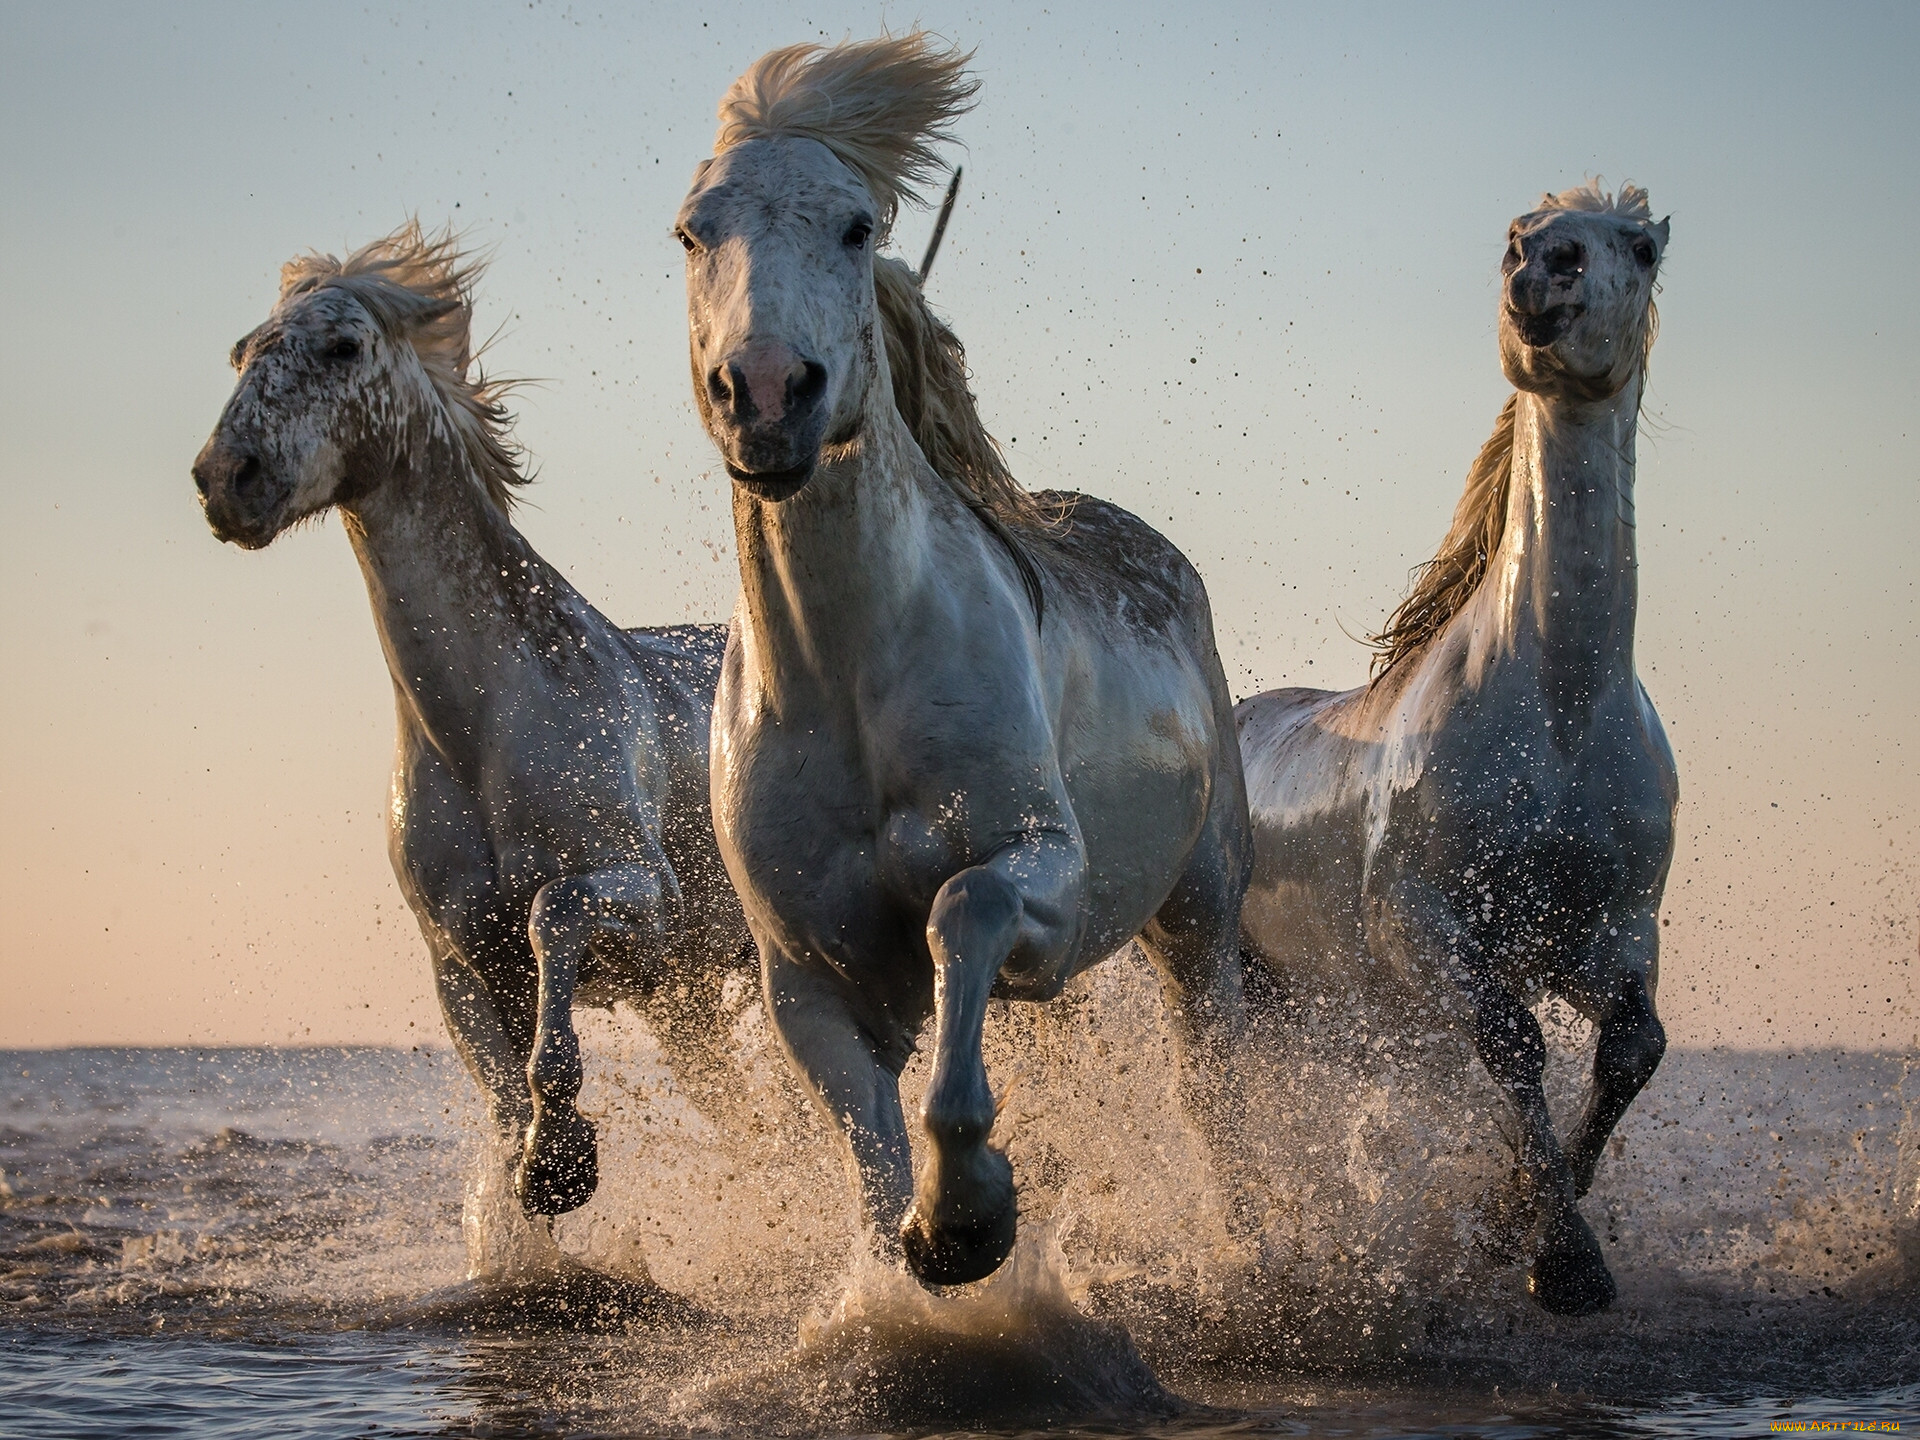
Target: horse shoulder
(437,840)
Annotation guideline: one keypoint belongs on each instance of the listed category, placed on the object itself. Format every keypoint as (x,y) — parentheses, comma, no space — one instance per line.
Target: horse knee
(959,1116)
(554,1071)
(560,912)
(1630,1052)
(975,902)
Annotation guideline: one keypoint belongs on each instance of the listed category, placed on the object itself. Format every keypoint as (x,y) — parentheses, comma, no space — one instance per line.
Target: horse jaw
(782,321)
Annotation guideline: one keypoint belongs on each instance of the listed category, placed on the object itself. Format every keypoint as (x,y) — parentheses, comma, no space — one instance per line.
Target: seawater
(310,1242)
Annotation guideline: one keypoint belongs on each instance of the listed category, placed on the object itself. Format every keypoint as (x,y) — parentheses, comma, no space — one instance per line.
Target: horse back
(1116,568)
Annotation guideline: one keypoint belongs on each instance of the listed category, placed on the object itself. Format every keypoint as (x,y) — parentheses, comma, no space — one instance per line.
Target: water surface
(248,1242)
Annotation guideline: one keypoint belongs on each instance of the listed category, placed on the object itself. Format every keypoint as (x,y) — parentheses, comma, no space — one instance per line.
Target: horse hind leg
(1632,1042)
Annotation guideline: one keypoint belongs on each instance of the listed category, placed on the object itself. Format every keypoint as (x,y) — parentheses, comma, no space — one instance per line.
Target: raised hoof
(958,1255)
(559,1168)
(1570,1277)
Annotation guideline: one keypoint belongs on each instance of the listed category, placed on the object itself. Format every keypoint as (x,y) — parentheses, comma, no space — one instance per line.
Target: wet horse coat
(957,751)
(1493,818)
(549,822)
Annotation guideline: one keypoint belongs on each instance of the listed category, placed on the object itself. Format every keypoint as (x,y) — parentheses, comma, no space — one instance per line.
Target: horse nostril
(1566,257)
(246,476)
(727,388)
(805,389)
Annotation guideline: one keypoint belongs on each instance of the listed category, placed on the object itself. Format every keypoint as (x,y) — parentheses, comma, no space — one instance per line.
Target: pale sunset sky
(1233,266)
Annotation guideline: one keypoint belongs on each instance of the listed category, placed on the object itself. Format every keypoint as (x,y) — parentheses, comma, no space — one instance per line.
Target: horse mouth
(773,485)
(1546,327)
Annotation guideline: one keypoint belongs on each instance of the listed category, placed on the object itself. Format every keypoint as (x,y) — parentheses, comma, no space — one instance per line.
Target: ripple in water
(189,1236)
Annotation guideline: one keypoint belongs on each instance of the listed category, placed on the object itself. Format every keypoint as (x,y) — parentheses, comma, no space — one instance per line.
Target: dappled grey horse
(1492,818)
(549,821)
(968,741)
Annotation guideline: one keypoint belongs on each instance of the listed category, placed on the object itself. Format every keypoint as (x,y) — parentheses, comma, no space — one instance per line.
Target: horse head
(779,238)
(815,152)
(1576,314)
(358,360)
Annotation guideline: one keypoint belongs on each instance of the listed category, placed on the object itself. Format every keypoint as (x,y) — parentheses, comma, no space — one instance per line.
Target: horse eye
(687,242)
(1643,251)
(857,234)
(346,348)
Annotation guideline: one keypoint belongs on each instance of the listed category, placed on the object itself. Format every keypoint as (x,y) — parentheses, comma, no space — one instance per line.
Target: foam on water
(1761,1212)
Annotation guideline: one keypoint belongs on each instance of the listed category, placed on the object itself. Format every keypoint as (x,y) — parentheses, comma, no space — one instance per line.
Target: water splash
(1016,1349)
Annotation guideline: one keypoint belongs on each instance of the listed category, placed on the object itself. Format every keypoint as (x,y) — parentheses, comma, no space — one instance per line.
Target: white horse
(1492,818)
(967,741)
(549,821)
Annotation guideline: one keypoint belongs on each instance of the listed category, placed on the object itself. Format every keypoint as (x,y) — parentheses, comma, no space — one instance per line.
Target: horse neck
(1564,585)
(459,597)
(823,574)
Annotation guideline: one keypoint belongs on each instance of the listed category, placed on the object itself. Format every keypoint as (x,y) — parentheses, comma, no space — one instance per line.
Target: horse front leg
(1632,1042)
(1568,1275)
(571,918)
(1007,920)
(964,1216)
(1193,941)
(481,1041)
(853,1077)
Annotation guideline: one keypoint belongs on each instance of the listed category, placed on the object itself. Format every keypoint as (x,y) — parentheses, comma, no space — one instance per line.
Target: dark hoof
(1570,1277)
(559,1169)
(958,1255)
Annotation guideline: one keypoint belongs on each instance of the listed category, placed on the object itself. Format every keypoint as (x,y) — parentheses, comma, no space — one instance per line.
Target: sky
(1233,267)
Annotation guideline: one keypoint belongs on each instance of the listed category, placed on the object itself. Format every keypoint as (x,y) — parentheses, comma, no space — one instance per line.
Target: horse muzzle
(1544,328)
(242,500)
(766,405)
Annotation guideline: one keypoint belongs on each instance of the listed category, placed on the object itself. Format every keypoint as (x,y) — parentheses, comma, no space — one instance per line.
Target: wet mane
(930,390)
(1442,586)
(1630,203)
(419,289)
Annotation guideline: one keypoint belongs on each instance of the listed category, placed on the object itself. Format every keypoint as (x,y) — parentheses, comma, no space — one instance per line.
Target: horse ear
(1661,231)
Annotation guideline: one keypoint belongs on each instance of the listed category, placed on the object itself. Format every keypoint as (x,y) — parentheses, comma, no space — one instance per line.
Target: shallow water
(244,1242)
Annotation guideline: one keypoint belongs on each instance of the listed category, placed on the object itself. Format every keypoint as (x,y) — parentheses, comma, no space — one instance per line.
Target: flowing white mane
(419,289)
(1630,203)
(881,106)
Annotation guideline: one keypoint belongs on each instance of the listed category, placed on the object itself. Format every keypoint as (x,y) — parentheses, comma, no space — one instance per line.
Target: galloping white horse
(1492,818)
(549,823)
(958,750)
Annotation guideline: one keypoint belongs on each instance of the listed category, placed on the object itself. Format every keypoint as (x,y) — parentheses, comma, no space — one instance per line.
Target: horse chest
(1542,847)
